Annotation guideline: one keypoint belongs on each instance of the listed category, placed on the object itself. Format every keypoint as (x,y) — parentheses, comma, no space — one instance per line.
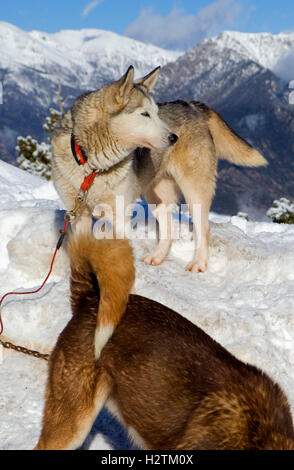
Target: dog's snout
(172,138)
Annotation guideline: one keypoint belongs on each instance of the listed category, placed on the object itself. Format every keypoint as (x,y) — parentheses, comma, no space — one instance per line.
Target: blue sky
(175,24)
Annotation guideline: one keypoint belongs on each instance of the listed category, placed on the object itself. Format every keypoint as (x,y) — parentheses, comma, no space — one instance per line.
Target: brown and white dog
(169,383)
(140,148)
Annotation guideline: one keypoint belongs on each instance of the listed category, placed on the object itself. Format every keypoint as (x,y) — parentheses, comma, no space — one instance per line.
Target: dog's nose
(172,138)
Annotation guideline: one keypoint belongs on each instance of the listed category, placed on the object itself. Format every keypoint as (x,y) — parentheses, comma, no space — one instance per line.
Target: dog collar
(77,151)
(81,157)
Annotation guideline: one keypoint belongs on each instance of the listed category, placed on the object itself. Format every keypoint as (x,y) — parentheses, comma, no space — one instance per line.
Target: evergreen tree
(35,157)
(51,120)
(282,211)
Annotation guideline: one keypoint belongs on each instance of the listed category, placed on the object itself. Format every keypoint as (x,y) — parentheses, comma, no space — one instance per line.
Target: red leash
(59,243)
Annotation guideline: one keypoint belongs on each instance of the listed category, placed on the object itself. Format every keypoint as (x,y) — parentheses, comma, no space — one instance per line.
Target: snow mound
(245,300)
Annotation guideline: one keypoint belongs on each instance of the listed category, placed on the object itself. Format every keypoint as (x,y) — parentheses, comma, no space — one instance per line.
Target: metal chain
(30,352)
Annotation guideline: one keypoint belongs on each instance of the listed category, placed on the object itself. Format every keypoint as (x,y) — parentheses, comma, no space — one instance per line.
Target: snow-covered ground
(245,300)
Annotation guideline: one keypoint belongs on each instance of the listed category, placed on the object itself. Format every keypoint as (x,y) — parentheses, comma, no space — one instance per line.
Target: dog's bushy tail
(229,145)
(109,264)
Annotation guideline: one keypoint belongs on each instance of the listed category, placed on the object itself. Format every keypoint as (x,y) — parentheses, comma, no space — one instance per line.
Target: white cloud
(181,30)
(89,7)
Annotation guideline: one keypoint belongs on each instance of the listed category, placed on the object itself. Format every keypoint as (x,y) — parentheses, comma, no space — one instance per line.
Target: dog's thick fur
(170,384)
(127,137)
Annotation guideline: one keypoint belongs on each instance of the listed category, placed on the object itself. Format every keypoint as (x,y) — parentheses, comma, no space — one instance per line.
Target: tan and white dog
(140,148)
(169,383)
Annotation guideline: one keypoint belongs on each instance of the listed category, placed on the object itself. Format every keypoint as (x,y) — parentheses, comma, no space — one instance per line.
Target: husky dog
(169,383)
(140,148)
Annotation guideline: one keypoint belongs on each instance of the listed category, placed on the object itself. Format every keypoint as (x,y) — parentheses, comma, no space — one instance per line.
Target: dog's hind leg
(165,194)
(69,416)
(199,202)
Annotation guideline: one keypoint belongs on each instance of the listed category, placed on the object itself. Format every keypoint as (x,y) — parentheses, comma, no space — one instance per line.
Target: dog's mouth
(150,146)
(147,145)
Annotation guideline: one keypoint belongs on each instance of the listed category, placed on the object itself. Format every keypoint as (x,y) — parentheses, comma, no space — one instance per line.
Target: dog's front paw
(152,260)
(197,266)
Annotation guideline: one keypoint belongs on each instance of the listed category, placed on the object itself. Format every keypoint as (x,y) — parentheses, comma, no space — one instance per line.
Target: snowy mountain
(245,300)
(83,59)
(265,49)
(213,59)
(240,75)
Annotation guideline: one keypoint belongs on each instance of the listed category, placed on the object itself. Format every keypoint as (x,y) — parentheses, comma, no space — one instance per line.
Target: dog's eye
(145,114)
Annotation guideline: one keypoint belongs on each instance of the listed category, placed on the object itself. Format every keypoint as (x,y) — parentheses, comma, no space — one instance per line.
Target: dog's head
(119,117)
(137,122)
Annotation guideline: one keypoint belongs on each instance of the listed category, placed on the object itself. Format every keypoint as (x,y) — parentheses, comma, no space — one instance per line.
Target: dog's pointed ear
(150,79)
(125,84)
